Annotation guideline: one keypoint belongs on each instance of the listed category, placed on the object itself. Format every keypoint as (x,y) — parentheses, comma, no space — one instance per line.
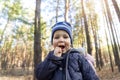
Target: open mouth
(62,46)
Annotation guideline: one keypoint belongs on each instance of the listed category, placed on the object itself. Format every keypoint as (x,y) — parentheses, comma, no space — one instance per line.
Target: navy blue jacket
(76,67)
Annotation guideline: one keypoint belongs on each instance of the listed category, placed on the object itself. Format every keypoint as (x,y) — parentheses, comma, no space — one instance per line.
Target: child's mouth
(62,46)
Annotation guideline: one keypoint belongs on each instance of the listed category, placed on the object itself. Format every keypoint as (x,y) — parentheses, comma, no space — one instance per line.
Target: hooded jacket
(71,66)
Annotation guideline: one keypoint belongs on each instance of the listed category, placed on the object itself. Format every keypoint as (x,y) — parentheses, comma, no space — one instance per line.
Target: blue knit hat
(62,26)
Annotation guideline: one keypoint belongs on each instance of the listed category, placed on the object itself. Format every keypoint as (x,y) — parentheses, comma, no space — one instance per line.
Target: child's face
(61,39)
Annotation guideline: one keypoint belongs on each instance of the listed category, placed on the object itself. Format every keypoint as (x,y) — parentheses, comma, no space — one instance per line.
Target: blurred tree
(37,36)
(11,11)
(67,2)
(89,47)
(57,10)
(116,8)
(115,47)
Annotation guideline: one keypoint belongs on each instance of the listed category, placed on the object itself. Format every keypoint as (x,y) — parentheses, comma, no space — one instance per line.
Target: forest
(25,31)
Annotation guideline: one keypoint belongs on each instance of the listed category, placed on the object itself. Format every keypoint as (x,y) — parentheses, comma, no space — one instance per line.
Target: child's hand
(58,52)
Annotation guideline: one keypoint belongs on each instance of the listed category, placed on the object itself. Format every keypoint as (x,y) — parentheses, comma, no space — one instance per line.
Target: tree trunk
(37,36)
(116,8)
(89,48)
(100,56)
(57,8)
(66,10)
(111,63)
(115,48)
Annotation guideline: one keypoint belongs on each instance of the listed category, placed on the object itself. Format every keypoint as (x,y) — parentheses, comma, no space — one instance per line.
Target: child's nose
(61,39)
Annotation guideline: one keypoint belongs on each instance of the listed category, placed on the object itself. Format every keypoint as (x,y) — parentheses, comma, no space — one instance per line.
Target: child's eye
(65,37)
(56,37)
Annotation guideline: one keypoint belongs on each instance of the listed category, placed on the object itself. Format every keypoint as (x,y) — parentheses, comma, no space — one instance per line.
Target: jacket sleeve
(45,70)
(86,69)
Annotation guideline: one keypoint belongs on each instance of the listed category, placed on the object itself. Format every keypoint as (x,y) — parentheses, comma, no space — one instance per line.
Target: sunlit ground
(107,74)
(16,78)
(16,74)
(104,74)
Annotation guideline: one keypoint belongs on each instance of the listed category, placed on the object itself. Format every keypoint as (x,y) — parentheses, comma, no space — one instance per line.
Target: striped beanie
(62,26)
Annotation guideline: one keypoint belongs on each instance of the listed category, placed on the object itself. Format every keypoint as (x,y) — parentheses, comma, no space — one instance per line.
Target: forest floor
(16,74)
(104,74)
(107,74)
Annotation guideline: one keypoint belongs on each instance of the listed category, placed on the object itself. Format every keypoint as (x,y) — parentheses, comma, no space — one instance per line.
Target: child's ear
(71,45)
